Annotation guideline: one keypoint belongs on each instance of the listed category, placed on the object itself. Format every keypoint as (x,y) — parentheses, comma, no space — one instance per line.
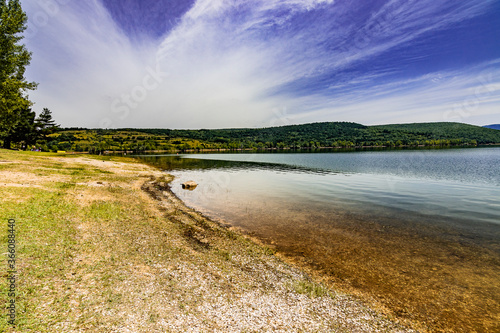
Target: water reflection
(419,232)
(188,162)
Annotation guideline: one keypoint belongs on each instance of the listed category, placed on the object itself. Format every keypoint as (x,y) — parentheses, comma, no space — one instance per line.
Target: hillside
(327,134)
(443,131)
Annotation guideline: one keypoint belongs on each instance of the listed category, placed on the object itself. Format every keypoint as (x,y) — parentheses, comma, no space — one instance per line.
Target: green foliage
(29,131)
(311,289)
(44,123)
(24,131)
(455,133)
(337,134)
(14,58)
(308,136)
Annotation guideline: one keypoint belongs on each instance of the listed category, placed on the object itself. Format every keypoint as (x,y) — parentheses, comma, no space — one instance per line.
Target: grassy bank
(102,245)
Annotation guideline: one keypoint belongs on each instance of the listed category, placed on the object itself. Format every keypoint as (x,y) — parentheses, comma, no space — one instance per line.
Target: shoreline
(419,267)
(108,248)
(161,191)
(288,149)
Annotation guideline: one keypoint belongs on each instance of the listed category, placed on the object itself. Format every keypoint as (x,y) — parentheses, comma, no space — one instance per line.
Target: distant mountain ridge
(313,135)
(494,126)
(326,133)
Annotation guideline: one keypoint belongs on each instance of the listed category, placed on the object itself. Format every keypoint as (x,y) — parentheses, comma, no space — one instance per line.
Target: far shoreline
(298,150)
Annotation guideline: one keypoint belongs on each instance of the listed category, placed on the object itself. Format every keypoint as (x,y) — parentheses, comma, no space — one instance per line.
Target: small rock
(189,185)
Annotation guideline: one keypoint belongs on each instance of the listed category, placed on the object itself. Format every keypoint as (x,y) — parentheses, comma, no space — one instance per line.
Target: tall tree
(14,58)
(44,123)
(24,131)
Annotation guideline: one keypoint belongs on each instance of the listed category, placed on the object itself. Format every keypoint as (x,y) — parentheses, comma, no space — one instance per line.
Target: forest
(306,136)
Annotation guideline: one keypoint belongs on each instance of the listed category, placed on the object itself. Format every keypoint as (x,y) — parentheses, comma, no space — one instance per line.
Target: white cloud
(466,96)
(214,70)
(81,60)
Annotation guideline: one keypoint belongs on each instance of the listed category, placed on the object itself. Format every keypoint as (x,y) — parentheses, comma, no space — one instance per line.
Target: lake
(414,232)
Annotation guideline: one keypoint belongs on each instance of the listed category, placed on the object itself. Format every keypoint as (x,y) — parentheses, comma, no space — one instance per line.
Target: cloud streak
(234,64)
(463,96)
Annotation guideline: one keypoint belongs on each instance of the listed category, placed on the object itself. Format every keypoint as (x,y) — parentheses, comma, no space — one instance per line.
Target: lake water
(414,231)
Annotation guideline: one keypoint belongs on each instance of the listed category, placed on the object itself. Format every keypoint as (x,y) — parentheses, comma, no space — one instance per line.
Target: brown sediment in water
(439,278)
(440,273)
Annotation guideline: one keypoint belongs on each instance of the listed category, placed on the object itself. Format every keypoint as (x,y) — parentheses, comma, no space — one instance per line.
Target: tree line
(339,134)
(306,136)
(30,131)
(19,126)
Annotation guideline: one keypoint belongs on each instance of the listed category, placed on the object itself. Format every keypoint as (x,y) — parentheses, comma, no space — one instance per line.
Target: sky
(191,64)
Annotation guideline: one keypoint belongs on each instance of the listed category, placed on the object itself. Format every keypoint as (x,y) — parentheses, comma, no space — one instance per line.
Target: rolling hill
(314,135)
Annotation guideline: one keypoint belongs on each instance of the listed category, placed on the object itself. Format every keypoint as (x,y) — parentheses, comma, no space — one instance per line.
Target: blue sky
(260,63)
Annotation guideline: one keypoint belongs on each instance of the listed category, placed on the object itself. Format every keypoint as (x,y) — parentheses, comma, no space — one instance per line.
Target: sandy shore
(136,259)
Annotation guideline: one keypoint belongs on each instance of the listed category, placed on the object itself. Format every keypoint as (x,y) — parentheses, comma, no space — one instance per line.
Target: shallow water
(419,231)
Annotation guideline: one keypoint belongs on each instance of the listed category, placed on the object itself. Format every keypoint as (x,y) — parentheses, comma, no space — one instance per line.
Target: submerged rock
(189,185)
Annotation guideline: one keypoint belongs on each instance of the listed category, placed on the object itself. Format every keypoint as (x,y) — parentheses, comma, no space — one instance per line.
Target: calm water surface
(417,230)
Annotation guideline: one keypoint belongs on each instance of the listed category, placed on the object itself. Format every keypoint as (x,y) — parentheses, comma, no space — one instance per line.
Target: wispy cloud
(81,60)
(233,64)
(469,96)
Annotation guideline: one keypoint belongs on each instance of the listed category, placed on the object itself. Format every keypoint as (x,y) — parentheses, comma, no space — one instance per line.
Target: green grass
(105,211)
(311,289)
(45,246)
(46,233)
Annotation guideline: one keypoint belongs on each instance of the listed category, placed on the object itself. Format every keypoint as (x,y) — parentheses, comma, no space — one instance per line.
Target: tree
(44,123)
(24,131)
(14,57)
